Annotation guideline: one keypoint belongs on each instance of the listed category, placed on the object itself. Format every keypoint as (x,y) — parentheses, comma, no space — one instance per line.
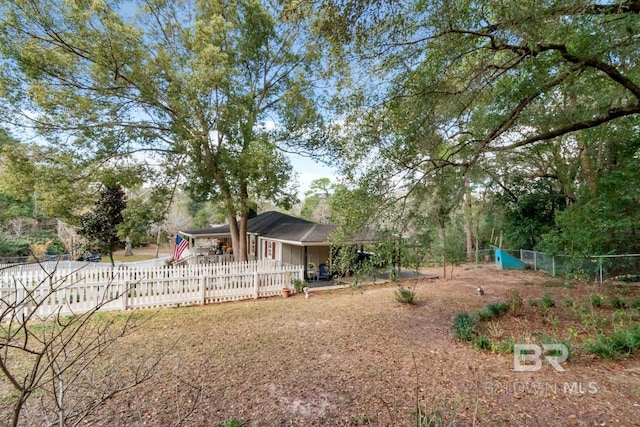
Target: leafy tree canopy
(218,87)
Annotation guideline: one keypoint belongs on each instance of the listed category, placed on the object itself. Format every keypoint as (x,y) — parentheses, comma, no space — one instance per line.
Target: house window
(252,245)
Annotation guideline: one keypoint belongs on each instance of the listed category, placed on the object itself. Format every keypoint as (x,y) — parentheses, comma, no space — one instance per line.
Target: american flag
(181,245)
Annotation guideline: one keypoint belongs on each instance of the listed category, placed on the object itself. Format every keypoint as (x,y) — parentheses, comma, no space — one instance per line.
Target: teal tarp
(504,261)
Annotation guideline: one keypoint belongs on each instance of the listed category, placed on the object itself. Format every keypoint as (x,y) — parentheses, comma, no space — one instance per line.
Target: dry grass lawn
(358,357)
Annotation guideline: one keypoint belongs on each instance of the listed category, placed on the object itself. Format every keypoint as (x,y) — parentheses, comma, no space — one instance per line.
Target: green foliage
(530,209)
(514,301)
(484,314)
(619,303)
(405,295)
(317,201)
(491,310)
(298,284)
(483,342)
(14,247)
(505,346)
(567,183)
(200,92)
(547,300)
(498,308)
(142,211)
(620,344)
(433,418)
(99,226)
(629,278)
(464,326)
(596,300)
(233,422)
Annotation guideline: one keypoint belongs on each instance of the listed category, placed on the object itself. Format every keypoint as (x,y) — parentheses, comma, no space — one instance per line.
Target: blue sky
(308,170)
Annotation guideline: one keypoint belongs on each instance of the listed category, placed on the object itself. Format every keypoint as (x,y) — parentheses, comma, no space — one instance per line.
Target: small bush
(619,303)
(464,326)
(232,422)
(298,284)
(484,314)
(547,300)
(515,301)
(405,295)
(504,346)
(498,308)
(596,300)
(483,342)
(619,344)
(533,302)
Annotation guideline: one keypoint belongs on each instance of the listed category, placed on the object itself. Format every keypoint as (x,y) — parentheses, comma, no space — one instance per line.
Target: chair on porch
(323,273)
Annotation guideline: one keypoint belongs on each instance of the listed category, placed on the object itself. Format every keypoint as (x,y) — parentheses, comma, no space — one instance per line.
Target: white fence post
(256,284)
(20,302)
(203,289)
(125,296)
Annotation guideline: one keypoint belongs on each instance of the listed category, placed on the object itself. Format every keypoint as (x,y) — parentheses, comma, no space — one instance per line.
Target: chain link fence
(595,267)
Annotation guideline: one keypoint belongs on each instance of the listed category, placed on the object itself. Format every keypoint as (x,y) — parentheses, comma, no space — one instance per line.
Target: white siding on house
(292,254)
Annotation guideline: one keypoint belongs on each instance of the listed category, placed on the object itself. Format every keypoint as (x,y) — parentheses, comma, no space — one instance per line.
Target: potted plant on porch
(286,290)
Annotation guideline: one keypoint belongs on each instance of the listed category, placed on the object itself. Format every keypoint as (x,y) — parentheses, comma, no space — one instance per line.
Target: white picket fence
(73,291)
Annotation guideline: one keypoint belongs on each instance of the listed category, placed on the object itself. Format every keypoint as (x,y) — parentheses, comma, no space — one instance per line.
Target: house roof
(309,234)
(305,233)
(257,225)
(278,226)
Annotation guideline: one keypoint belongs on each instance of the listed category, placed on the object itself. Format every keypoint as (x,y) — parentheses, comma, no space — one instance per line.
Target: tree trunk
(128,251)
(444,250)
(239,237)
(158,244)
(468,214)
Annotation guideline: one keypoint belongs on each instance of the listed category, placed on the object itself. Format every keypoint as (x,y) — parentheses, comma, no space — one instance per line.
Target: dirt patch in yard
(358,357)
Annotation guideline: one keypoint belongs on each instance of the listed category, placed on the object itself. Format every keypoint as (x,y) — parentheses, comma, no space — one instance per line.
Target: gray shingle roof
(278,226)
(305,233)
(257,225)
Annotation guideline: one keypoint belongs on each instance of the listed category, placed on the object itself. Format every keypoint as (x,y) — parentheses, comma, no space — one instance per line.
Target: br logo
(529,357)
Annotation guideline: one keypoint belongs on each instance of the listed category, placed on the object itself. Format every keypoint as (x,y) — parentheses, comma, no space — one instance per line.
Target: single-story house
(277,236)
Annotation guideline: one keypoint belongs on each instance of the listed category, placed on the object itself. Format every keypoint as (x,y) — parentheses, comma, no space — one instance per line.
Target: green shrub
(533,302)
(484,314)
(483,342)
(596,300)
(619,303)
(504,346)
(491,310)
(601,347)
(464,326)
(298,284)
(515,301)
(232,422)
(547,300)
(405,295)
(619,344)
(498,308)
